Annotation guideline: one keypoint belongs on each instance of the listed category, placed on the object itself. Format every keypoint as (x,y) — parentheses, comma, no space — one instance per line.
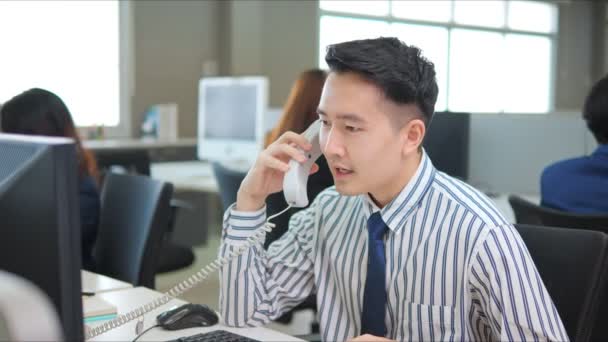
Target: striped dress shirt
(455,268)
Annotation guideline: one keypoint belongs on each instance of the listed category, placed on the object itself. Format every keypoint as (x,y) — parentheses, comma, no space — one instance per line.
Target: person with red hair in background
(299,112)
(40,112)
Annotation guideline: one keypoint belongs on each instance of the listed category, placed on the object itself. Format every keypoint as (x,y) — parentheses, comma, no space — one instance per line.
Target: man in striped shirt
(455,269)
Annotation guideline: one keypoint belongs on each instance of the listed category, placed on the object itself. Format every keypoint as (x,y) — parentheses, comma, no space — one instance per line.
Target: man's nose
(333,144)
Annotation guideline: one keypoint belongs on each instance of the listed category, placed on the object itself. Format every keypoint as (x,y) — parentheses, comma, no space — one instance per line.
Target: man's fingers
(281,150)
(275,163)
(291,137)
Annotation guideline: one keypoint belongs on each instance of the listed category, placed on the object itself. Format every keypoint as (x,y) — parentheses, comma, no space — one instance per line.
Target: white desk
(127,300)
(97,283)
(130,144)
(192,175)
(186,175)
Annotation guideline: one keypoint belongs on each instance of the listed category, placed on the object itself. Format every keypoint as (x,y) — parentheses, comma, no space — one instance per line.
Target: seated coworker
(40,112)
(396,249)
(299,112)
(580,185)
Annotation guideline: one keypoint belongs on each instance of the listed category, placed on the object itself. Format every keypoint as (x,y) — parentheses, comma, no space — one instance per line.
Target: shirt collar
(401,207)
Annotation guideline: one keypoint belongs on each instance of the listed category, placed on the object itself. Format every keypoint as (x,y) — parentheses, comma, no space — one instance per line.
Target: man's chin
(345,190)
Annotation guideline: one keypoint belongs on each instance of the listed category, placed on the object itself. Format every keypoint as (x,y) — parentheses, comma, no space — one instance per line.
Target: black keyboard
(215,336)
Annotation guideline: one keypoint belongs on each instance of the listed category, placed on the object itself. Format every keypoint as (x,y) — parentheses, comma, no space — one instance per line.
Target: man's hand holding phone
(266,175)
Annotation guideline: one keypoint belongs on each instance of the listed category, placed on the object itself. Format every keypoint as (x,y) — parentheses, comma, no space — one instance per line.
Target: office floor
(208,292)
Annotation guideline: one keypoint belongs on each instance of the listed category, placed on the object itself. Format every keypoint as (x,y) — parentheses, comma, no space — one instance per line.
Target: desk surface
(96,283)
(186,176)
(129,299)
(131,144)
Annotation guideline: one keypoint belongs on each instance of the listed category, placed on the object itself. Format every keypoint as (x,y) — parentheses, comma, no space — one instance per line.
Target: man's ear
(412,134)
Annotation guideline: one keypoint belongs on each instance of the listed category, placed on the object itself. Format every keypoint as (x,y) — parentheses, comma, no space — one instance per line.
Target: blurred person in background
(580,185)
(41,112)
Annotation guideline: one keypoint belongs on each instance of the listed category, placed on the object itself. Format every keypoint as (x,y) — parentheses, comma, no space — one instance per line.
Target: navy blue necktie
(374,297)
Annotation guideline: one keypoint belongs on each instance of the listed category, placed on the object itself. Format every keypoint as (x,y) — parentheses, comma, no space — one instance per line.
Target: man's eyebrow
(345,116)
(350,117)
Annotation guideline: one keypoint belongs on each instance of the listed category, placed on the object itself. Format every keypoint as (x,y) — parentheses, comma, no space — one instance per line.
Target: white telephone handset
(294,183)
(294,188)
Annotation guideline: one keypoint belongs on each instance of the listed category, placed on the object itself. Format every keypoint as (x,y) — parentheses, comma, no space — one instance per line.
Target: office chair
(276,203)
(172,256)
(26,313)
(228,181)
(137,161)
(573,264)
(530,213)
(135,214)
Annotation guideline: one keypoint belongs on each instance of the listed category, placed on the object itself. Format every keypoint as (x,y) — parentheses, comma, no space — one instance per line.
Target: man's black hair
(595,110)
(400,70)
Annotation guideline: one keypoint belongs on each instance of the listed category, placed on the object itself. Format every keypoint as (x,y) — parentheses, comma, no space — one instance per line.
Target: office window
(439,10)
(350,28)
(491,56)
(433,40)
(71,48)
(487,13)
(368,7)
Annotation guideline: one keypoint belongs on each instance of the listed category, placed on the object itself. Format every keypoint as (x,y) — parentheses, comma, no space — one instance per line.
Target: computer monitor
(39,221)
(231,114)
(447,143)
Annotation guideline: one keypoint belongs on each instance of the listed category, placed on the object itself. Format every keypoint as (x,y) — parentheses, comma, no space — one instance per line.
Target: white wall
(574,55)
(172,41)
(274,38)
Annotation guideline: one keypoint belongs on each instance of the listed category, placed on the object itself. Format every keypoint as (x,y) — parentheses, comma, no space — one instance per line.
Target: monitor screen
(40,223)
(231,112)
(235,111)
(447,143)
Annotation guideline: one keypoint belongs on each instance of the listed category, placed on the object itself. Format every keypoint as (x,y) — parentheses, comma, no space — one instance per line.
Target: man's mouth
(340,171)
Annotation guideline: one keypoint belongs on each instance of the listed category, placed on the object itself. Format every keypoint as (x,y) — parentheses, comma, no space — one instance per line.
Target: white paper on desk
(95,306)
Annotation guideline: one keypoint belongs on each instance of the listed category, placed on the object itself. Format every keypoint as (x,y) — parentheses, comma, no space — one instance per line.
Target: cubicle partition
(509,151)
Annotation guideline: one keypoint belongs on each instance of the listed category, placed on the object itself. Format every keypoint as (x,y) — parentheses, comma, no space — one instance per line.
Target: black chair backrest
(276,203)
(573,265)
(135,213)
(530,213)
(228,181)
(134,161)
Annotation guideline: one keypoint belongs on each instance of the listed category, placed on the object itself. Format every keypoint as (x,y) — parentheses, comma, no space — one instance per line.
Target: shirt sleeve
(509,299)
(258,286)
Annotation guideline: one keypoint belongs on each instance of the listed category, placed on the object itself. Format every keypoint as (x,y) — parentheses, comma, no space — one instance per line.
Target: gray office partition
(509,151)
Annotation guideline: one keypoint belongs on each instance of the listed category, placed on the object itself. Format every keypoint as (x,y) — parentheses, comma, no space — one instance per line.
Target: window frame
(450,25)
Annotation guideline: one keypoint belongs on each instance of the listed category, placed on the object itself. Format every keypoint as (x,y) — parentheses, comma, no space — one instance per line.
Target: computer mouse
(187,316)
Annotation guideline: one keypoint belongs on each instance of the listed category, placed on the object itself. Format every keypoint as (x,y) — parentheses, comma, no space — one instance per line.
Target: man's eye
(352,128)
(324,122)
